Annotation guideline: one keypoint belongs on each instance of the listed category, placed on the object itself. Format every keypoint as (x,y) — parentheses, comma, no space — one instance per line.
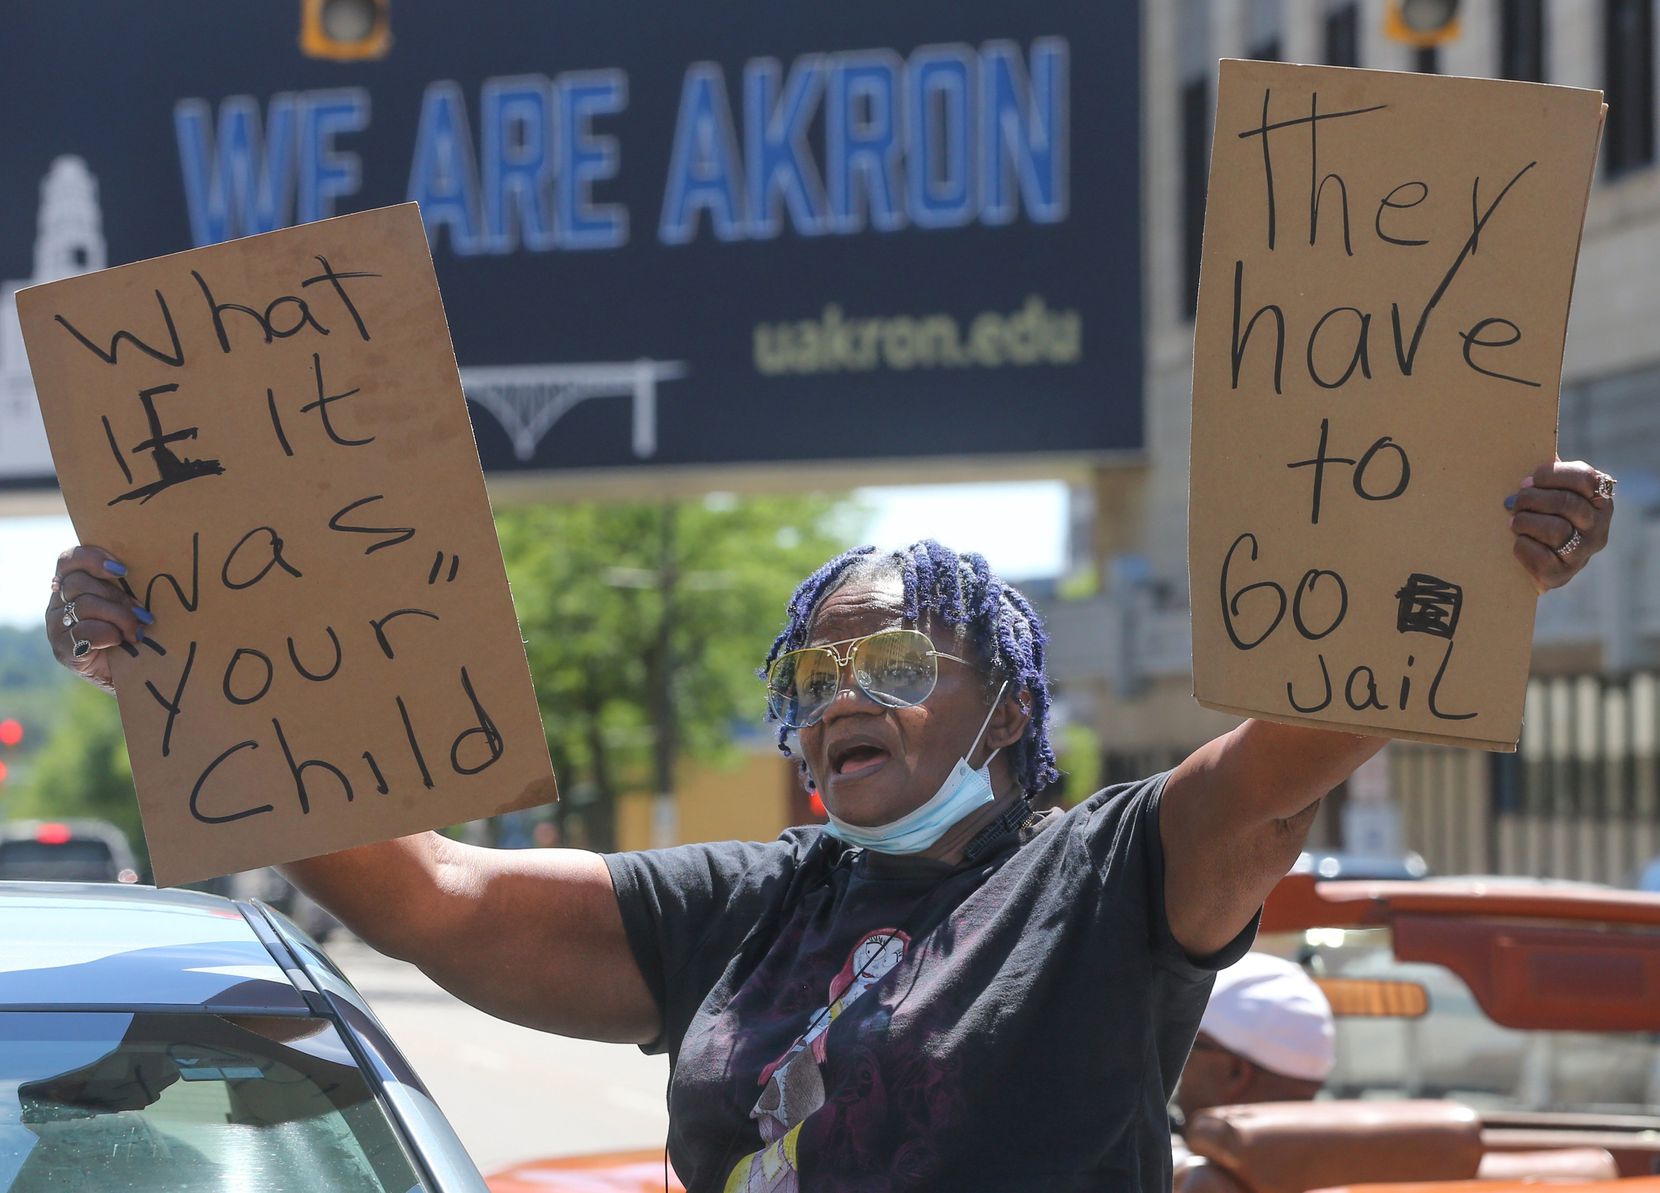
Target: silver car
(160,1041)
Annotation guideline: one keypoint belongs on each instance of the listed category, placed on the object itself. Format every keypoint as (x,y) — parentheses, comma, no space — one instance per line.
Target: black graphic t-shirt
(843,1020)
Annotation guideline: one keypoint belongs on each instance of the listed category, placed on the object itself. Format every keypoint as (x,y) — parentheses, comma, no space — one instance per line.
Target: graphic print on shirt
(792,1087)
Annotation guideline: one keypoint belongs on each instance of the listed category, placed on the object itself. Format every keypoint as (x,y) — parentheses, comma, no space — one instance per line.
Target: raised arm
(1236,812)
(1234,816)
(530,935)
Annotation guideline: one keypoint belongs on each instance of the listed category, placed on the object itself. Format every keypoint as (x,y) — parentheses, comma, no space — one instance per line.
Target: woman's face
(870,763)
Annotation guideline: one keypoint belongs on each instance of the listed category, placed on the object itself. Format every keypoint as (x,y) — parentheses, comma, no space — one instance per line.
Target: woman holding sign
(941,988)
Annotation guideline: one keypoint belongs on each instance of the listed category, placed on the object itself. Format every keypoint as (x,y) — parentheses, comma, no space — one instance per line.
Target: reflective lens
(897,668)
(801,685)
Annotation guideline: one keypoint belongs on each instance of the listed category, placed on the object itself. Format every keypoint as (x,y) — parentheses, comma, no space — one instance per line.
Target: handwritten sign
(271,435)
(1383,298)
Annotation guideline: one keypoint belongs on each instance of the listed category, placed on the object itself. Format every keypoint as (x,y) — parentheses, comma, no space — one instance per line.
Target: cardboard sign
(1383,300)
(270,434)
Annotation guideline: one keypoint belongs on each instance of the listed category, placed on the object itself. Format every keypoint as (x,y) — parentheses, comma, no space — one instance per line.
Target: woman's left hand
(1560,517)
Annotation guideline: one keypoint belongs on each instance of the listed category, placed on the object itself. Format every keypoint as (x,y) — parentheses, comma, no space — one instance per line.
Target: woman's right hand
(86,594)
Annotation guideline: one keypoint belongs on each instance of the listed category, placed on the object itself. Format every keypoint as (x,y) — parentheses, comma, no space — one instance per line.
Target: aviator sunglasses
(895,668)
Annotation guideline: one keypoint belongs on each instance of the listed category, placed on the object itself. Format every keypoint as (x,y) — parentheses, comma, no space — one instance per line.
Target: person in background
(1267,1035)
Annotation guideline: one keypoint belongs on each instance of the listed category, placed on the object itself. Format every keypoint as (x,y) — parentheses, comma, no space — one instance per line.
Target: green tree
(33,689)
(644,624)
(83,770)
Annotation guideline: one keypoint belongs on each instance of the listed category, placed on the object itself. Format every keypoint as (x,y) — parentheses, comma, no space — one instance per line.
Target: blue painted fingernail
(144,615)
(1510,502)
(115,568)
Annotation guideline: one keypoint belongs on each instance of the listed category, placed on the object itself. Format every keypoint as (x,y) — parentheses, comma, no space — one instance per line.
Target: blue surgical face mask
(964,790)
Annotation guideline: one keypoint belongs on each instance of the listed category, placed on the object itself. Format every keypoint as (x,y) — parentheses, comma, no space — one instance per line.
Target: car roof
(1535,955)
(1302,901)
(97,946)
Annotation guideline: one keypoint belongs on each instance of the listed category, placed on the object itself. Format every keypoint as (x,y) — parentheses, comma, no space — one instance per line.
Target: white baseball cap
(1270,1012)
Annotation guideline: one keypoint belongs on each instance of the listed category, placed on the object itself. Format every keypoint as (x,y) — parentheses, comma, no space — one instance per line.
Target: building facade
(1581,797)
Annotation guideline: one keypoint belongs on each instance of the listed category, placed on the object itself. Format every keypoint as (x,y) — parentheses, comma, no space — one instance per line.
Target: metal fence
(1580,799)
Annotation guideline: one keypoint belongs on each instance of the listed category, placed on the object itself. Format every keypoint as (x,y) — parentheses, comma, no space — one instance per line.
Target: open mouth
(854,761)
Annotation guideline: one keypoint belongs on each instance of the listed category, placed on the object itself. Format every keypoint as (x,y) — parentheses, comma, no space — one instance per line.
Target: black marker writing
(1320,460)
(171,469)
(1230,604)
(438,565)
(176,704)
(230,674)
(267,323)
(334,279)
(1405,357)
(273,545)
(1428,605)
(1311,120)
(297,771)
(188,603)
(399,534)
(276,421)
(380,623)
(201,782)
(293,657)
(1472,340)
(174,358)
(486,728)
(1317,185)
(115,449)
(1387,203)
(414,745)
(322,404)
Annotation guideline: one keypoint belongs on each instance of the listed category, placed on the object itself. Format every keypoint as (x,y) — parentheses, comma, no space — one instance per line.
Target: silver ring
(1569,547)
(79,647)
(1605,487)
(70,617)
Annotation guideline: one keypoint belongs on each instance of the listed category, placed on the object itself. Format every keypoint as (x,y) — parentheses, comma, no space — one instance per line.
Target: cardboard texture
(271,435)
(1377,358)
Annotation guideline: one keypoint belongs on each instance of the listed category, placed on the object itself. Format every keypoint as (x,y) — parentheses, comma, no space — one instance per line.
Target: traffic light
(1423,24)
(345,30)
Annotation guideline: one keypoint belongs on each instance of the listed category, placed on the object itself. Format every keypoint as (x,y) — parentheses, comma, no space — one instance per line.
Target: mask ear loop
(984,725)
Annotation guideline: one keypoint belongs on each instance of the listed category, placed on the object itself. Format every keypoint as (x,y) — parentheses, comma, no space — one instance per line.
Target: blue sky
(1020,527)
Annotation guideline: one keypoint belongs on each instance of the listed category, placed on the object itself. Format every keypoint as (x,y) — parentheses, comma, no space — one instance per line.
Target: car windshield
(189,1103)
(1455,1051)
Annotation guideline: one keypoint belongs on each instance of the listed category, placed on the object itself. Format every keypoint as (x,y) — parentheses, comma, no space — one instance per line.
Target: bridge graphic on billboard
(527,400)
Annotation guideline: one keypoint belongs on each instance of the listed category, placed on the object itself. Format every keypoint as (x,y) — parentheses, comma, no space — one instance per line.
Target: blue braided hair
(960,590)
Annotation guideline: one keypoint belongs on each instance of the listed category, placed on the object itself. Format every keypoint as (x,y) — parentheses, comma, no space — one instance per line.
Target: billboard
(666,234)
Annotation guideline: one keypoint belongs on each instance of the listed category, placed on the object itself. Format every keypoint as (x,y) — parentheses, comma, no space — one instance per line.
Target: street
(512,1093)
